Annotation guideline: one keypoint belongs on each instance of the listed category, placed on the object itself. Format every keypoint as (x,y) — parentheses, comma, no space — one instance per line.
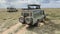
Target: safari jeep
(11,9)
(32,15)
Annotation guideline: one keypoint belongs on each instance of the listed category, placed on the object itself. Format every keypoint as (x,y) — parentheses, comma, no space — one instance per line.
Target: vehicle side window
(26,14)
(37,14)
(41,12)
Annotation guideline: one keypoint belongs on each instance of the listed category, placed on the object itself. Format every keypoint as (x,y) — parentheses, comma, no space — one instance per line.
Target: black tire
(36,24)
(16,10)
(44,17)
(31,22)
(43,21)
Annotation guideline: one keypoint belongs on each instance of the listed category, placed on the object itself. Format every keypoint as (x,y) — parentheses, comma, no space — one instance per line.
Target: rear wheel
(44,17)
(43,20)
(30,23)
(36,24)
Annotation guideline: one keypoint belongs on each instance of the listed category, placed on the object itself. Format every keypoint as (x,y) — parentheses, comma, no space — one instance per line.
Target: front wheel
(44,17)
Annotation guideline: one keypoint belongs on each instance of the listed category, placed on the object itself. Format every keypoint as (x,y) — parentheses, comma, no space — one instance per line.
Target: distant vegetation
(53,13)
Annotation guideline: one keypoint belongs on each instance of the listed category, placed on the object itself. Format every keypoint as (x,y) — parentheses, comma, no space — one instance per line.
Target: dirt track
(11,29)
(49,28)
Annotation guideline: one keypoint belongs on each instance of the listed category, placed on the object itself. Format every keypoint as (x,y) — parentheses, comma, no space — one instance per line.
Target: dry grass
(9,19)
(53,13)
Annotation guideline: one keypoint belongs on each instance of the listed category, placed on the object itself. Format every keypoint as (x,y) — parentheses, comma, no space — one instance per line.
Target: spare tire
(22,20)
(29,21)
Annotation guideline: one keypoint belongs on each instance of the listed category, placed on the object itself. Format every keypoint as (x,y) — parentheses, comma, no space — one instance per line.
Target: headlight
(21,19)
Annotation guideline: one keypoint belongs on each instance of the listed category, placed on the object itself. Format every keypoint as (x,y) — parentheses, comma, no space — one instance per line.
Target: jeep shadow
(49,28)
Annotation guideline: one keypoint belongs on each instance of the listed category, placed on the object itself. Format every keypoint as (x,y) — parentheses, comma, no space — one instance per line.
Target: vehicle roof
(27,9)
(33,5)
(35,10)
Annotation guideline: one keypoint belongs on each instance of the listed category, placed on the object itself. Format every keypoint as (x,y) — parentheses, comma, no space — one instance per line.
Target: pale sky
(24,3)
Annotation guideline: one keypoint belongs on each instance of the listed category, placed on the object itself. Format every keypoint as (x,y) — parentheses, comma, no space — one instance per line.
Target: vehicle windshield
(37,14)
(25,14)
(33,7)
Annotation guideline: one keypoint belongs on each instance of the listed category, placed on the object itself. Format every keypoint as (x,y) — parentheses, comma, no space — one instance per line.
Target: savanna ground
(9,23)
